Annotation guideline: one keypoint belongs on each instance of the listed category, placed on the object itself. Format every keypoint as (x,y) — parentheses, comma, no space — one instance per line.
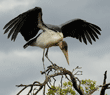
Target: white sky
(18,65)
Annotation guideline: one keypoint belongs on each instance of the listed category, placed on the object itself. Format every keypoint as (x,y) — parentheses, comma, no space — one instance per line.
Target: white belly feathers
(48,39)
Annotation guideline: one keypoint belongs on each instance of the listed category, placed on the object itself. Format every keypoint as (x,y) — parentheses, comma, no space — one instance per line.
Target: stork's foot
(52,65)
(56,68)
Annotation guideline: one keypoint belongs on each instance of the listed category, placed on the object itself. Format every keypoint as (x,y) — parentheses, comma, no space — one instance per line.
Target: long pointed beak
(66,55)
(64,47)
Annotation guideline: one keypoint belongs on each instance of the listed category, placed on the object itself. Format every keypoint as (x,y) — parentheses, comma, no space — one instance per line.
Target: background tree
(87,86)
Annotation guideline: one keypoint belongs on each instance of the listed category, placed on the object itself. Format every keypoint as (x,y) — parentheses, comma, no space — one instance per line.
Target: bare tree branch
(73,79)
(59,72)
(105,86)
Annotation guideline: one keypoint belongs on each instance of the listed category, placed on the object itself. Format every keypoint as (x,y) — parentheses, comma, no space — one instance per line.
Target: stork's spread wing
(80,29)
(25,23)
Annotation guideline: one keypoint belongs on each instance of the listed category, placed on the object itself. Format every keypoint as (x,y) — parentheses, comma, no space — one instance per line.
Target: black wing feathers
(25,23)
(80,29)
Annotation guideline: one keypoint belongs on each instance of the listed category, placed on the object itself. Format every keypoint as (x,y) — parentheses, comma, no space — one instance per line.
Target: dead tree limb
(105,86)
(104,82)
(59,71)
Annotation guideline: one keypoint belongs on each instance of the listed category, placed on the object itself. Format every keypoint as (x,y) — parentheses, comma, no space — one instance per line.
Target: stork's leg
(46,55)
(43,55)
(43,62)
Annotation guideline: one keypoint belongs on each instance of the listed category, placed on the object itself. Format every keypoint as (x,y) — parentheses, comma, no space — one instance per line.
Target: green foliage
(87,86)
(67,88)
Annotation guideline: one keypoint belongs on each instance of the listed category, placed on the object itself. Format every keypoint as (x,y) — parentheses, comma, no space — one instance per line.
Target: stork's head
(64,47)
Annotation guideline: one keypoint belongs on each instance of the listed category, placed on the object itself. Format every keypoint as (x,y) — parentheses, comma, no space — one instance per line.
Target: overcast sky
(18,65)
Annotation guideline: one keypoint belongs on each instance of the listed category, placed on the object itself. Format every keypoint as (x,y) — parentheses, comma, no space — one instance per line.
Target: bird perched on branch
(30,22)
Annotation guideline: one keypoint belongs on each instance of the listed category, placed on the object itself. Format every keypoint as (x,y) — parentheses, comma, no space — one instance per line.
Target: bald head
(64,47)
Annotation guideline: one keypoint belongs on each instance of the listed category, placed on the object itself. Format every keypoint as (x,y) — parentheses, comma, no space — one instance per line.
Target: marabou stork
(30,22)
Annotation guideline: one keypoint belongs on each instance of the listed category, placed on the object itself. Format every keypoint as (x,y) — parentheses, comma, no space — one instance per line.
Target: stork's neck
(41,25)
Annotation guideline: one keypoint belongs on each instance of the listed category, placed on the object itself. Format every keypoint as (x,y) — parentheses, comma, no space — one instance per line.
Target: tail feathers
(30,43)
(26,45)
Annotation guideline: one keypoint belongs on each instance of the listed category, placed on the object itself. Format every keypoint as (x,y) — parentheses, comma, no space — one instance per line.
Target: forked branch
(58,71)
